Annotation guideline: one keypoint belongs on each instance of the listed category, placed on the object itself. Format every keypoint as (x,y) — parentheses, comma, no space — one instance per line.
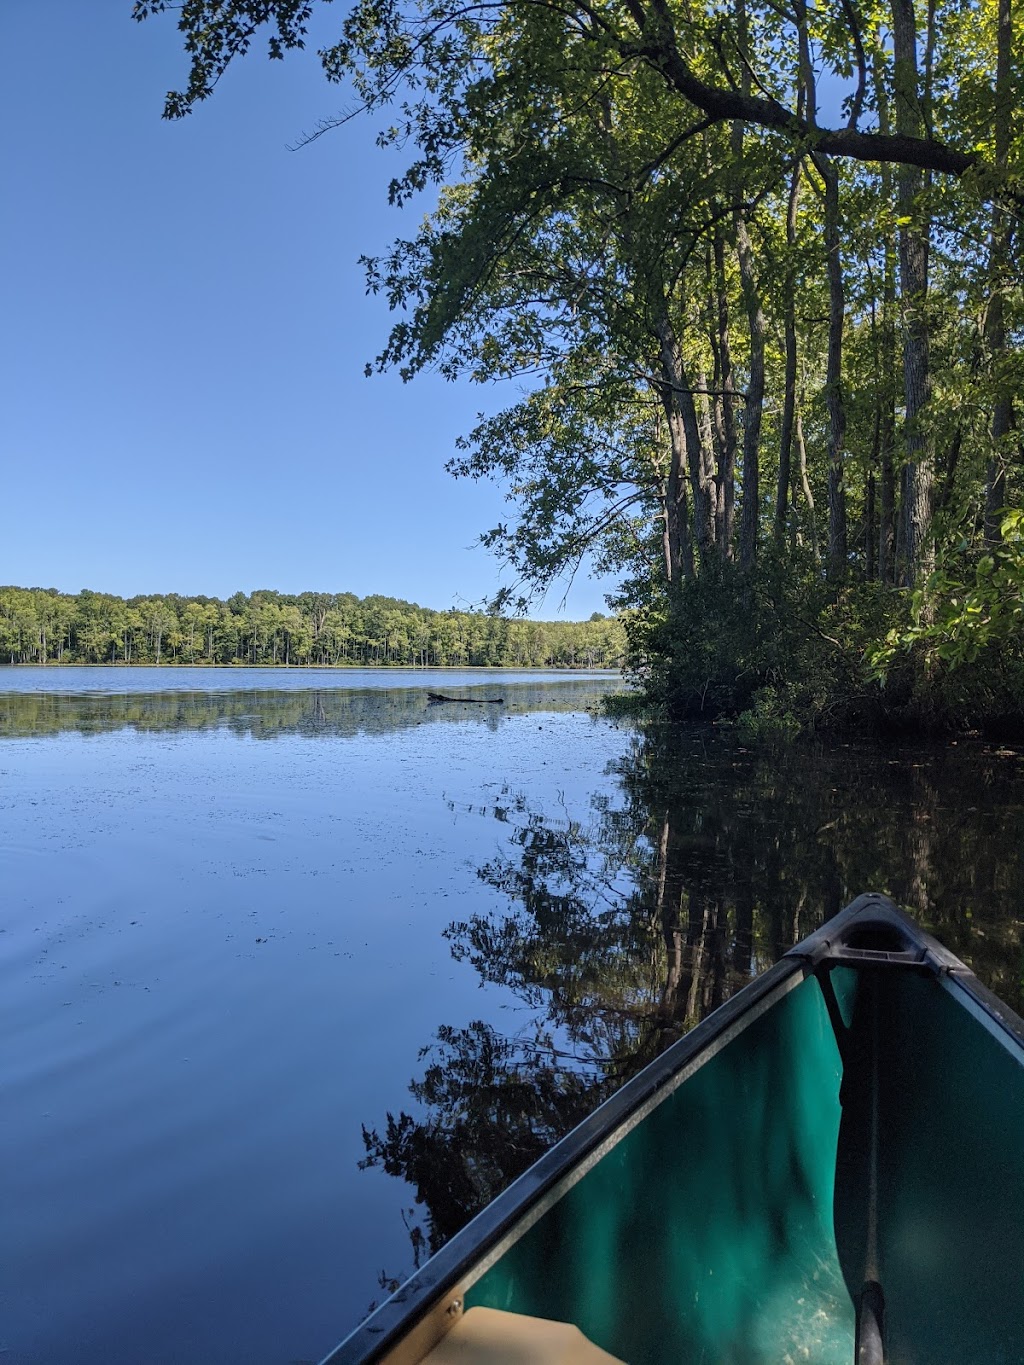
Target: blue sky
(185,329)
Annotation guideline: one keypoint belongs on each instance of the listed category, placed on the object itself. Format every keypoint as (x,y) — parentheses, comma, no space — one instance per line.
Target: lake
(298,969)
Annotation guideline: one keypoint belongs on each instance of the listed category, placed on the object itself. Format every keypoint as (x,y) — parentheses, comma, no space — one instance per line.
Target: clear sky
(184,329)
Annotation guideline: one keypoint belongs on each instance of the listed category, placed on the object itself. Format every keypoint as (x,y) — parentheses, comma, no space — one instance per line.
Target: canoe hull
(821,1157)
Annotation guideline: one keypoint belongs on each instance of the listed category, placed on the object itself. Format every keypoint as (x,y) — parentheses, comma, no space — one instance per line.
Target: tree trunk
(756,327)
(837,535)
(885,398)
(885,393)
(727,447)
(837,540)
(687,454)
(918,472)
(805,484)
(869,524)
(755,398)
(1002,410)
(706,426)
(782,494)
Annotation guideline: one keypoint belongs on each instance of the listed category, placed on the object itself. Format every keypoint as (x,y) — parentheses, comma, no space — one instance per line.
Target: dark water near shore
(262,952)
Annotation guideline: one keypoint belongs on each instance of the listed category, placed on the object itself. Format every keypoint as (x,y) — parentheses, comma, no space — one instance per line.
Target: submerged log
(467,701)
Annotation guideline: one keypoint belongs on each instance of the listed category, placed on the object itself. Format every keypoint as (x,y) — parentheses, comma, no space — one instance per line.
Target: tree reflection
(492,1106)
(619,932)
(338,710)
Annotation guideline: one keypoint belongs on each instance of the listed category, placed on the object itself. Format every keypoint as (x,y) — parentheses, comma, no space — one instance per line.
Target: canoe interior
(864,1123)
(719,1228)
(951,1178)
(706,1233)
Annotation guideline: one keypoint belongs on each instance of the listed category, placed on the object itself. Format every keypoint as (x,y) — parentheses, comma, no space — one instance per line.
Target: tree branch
(661,50)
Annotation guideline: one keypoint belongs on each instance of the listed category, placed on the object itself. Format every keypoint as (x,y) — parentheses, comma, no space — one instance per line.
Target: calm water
(293,980)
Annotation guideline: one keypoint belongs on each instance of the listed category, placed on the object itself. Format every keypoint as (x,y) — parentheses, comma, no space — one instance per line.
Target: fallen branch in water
(467,701)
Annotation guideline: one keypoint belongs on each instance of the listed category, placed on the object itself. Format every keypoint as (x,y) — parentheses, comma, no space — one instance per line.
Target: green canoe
(830,1168)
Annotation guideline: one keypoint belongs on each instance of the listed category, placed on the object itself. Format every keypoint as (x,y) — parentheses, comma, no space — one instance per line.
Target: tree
(646,217)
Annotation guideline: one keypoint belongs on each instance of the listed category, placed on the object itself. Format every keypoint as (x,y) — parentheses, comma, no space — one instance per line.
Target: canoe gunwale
(1002,1023)
(437,1288)
(871,932)
(829,947)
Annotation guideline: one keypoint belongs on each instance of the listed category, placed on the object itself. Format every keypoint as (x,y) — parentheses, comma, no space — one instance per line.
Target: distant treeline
(41,625)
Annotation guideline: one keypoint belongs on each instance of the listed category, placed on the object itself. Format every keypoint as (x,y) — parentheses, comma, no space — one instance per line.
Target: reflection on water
(89,679)
(221,961)
(700,865)
(309,710)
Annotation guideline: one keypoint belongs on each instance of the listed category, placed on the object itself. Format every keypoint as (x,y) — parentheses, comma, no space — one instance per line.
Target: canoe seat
(488,1336)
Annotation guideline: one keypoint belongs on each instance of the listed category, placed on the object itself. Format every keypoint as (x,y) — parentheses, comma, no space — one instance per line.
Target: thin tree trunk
(887,429)
(782,494)
(837,539)
(869,519)
(885,396)
(686,539)
(756,327)
(837,534)
(705,403)
(918,472)
(754,405)
(952,463)
(727,456)
(805,484)
(1002,410)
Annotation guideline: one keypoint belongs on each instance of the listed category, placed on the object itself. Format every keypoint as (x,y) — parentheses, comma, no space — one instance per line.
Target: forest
(751,270)
(42,626)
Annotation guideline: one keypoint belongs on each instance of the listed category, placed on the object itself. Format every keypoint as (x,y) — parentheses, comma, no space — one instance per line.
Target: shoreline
(330,668)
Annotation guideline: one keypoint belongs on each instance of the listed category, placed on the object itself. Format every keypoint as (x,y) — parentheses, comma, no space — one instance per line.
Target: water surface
(294,980)
(221,951)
